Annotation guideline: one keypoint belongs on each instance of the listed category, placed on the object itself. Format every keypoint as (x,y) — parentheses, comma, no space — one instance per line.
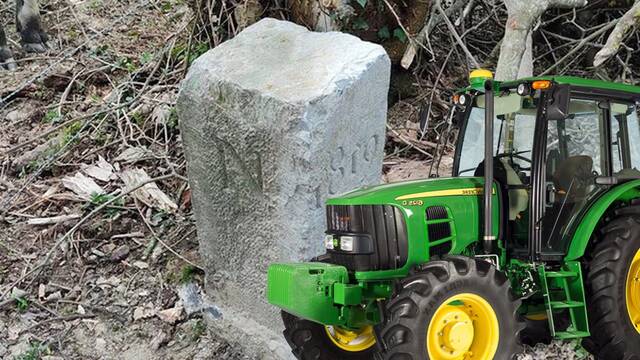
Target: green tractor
(535,237)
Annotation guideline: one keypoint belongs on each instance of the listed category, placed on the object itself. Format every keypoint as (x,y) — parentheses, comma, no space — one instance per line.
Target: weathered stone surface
(274,121)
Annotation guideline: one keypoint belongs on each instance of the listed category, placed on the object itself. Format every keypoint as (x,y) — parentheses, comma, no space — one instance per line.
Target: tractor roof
(581,82)
(477,80)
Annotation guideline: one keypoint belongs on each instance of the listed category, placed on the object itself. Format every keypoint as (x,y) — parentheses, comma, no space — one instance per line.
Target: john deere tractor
(535,237)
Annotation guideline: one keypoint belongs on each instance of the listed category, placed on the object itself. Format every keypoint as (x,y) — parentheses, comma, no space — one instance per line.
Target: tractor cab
(559,143)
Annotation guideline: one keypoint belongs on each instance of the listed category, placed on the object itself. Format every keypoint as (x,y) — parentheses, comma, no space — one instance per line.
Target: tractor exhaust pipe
(489,241)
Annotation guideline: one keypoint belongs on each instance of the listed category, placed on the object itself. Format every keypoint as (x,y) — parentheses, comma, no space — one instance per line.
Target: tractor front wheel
(613,291)
(456,308)
(313,341)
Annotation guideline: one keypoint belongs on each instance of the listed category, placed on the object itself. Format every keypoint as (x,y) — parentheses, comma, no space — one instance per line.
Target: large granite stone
(274,121)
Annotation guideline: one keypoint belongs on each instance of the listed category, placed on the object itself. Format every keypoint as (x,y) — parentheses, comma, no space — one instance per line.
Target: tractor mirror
(558,102)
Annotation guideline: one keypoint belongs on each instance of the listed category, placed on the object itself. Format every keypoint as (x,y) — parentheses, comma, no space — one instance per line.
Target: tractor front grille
(385,225)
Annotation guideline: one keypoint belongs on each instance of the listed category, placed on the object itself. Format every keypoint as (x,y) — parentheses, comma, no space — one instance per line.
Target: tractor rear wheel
(313,341)
(456,308)
(613,291)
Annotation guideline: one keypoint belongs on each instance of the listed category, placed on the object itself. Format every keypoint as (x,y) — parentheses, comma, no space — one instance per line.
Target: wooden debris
(52,219)
(143,312)
(149,194)
(133,154)
(82,186)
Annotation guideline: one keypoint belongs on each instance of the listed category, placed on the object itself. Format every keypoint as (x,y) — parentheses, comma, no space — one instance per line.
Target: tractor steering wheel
(516,155)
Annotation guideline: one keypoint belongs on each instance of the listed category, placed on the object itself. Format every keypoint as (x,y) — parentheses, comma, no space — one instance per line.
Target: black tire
(309,341)
(613,336)
(403,334)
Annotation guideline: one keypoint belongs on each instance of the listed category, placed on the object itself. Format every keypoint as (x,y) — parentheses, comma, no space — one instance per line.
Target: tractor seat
(518,197)
(573,178)
(510,184)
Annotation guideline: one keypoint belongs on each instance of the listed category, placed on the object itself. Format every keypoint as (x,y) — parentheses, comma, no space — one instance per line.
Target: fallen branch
(52,220)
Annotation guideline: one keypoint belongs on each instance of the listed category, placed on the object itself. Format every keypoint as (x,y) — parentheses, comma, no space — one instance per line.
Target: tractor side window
(625,140)
(575,153)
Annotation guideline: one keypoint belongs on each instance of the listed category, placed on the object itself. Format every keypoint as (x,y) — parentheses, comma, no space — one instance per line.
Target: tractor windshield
(514,124)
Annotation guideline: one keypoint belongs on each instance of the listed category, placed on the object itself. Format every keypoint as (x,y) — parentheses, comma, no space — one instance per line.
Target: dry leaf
(149,194)
(82,186)
(102,170)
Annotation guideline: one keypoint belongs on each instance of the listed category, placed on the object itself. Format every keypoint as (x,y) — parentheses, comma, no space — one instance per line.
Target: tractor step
(566,304)
(561,274)
(563,293)
(563,335)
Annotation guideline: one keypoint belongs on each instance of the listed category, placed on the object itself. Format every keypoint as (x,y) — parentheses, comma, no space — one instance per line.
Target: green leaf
(384,33)
(146,58)
(399,34)
(21,303)
(360,24)
(362,3)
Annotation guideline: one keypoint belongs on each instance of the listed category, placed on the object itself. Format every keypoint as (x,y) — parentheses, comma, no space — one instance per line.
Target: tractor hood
(403,193)
(441,215)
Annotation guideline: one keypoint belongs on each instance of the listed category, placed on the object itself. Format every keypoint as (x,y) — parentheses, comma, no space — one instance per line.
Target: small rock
(172,315)
(143,312)
(159,340)
(141,265)
(120,253)
(97,253)
(191,298)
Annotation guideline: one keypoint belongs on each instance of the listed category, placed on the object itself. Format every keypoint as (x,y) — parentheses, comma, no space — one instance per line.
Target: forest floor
(88,268)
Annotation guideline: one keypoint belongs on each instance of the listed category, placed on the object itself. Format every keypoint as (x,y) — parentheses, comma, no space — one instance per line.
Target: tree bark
(522,15)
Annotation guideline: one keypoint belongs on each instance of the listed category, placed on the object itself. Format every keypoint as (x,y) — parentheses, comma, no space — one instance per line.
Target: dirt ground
(89,267)
(110,287)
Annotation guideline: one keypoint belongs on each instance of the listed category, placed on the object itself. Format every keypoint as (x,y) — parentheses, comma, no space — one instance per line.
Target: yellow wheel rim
(633,291)
(352,341)
(464,327)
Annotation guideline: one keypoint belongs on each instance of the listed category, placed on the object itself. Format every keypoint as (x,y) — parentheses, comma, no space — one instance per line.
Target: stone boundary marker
(273,122)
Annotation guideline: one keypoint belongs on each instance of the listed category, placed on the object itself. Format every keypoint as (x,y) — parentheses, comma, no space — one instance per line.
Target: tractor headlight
(328,242)
(523,89)
(346,243)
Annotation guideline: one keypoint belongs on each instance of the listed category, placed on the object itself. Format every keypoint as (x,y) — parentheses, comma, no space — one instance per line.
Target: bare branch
(434,19)
(617,36)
